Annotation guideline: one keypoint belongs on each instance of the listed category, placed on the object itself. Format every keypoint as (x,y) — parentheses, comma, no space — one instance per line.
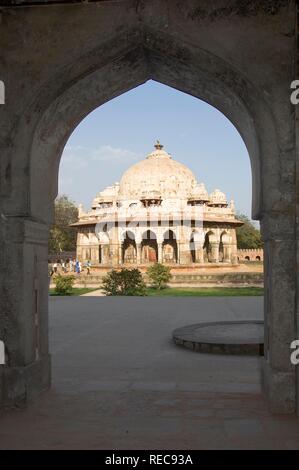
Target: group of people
(68,266)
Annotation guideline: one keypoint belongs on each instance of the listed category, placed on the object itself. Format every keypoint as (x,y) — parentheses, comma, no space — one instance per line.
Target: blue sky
(124,130)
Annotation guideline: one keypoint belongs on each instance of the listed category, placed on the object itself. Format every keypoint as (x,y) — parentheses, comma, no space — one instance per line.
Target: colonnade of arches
(150,248)
(168,246)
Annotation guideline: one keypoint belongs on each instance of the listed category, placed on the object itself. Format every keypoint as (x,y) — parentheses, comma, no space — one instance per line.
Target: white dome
(157,176)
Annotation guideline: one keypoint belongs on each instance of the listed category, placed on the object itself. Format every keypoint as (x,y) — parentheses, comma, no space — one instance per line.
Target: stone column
(120,253)
(178,251)
(226,253)
(24,309)
(105,253)
(199,255)
(214,252)
(160,252)
(234,249)
(138,253)
(185,255)
(279,375)
(114,254)
(94,254)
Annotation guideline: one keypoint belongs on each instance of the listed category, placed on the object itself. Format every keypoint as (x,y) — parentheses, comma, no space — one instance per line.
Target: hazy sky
(124,130)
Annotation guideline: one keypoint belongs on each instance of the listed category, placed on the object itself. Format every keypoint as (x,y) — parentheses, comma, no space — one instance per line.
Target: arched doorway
(149,247)
(129,253)
(74,81)
(169,247)
(224,248)
(207,248)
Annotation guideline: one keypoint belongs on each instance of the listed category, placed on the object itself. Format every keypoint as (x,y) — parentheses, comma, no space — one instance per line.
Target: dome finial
(158,146)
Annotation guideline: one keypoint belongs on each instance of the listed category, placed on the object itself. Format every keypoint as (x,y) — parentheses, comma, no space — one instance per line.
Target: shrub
(124,282)
(159,275)
(63,284)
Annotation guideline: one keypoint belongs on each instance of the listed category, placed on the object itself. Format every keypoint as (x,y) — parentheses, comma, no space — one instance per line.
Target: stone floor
(119,382)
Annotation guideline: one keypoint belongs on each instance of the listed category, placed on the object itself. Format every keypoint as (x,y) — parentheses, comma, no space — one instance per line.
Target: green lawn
(74,291)
(206,291)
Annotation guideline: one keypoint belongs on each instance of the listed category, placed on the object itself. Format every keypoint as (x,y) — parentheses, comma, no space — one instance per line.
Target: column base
(20,385)
(280,390)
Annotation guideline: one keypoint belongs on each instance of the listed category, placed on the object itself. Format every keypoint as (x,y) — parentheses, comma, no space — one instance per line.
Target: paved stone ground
(119,382)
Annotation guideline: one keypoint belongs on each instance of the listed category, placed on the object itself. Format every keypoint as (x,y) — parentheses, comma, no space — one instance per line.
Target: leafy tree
(159,275)
(64,284)
(124,282)
(247,235)
(62,236)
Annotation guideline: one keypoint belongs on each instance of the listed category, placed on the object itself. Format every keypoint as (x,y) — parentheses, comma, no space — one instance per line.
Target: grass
(74,291)
(206,291)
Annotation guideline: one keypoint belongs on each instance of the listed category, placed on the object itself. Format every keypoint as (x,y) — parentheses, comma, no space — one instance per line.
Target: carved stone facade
(158,212)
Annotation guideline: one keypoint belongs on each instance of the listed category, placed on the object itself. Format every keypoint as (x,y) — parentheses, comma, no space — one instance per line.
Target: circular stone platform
(235,337)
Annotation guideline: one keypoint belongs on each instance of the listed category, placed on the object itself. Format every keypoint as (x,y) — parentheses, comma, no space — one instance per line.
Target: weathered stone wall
(250,255)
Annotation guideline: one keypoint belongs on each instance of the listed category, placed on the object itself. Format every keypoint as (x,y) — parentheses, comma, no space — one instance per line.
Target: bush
(63,284)
(124,282)
(159,275)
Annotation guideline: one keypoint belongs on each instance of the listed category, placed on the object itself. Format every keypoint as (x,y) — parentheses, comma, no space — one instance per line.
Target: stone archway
(169,247)
(210,247)
(129,250)
(149,247)
(225,247)
(116,52)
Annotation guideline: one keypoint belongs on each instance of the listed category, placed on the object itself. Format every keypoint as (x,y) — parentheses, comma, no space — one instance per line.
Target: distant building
(158,212)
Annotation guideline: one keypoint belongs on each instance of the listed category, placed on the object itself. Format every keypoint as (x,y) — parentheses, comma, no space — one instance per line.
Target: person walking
(50,272)
(88,266)
(77,267)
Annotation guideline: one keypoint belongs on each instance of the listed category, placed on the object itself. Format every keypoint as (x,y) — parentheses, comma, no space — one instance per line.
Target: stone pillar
(234,249)
(24,309)
(214,252)
(120,253)
(138,253)
(279,375)
(94,254)
(200,255)
(160,252)
(105,253)
(178,252)
(114,254)
(226,253)
(185,255)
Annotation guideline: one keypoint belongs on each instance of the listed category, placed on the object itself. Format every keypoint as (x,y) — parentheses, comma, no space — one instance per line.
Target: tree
(62,236)
(247,235)
(124,282)
(159,275)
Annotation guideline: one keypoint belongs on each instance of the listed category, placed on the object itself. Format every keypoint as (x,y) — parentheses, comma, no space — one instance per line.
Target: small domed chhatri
(158,212)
